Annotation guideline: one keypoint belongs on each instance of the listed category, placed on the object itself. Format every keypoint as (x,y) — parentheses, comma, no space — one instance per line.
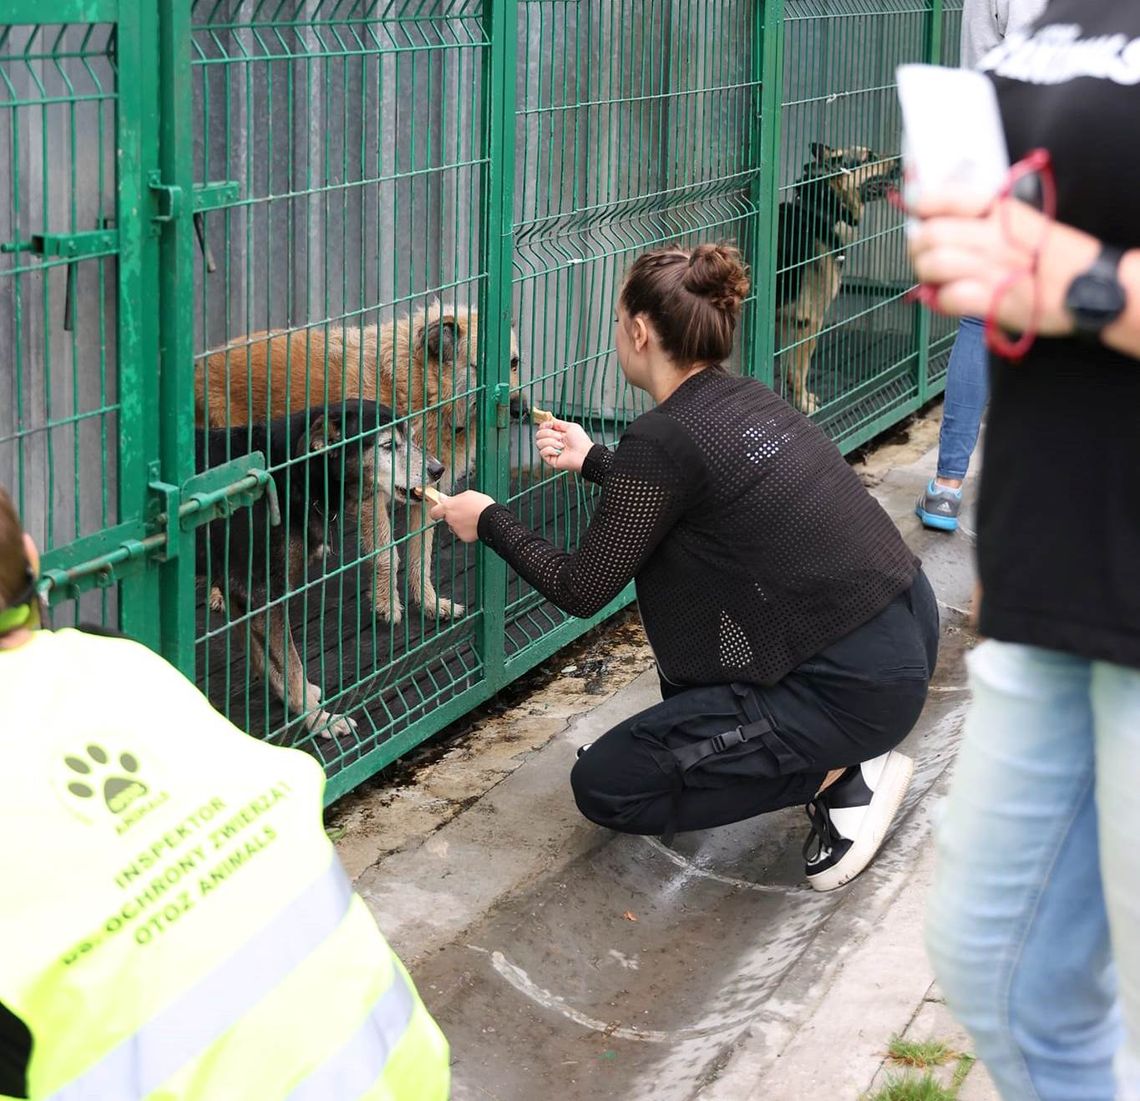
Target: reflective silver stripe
(210,1008)
(353,1070)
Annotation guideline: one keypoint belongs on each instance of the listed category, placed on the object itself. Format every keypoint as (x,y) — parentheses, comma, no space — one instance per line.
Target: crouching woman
(795,634)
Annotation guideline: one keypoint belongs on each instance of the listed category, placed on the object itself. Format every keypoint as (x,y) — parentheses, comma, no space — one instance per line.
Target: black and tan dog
(423,366)
(816,225)
(349,462)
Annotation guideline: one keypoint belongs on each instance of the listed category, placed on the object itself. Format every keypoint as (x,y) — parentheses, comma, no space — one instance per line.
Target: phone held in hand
(952,132)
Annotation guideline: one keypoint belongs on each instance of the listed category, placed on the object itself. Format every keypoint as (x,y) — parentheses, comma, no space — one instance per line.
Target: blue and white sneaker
(938,506)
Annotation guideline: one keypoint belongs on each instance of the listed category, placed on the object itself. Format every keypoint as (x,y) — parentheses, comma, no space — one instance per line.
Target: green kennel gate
(176,175)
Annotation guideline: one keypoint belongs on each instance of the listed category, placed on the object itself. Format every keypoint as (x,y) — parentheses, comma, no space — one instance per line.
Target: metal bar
(497,250)
(764,144)
(922,327)
(136,42)
(176,320)
(95,558)
(212,195)
(89,555)
(70,246)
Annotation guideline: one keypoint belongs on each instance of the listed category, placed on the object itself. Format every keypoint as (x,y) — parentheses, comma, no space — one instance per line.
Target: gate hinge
(167,196)
(207,196)
(99,560)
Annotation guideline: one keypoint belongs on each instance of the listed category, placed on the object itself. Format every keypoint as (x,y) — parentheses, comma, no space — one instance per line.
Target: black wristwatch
(1095,298)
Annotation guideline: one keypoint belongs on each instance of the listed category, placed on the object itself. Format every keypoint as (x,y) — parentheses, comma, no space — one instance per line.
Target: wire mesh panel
(849,343)
(634,128)
(58,391)
(380,229)
(337,331)
(69,160)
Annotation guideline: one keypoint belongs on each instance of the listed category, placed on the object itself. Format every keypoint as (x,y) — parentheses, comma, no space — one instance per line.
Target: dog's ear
(323,432)
(441,335)
(820,152)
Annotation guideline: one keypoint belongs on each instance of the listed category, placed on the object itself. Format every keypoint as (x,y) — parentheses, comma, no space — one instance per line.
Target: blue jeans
(966,390)
(1035,913)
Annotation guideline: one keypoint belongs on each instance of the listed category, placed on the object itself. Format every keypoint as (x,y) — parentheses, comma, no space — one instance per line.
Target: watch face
(1094,301)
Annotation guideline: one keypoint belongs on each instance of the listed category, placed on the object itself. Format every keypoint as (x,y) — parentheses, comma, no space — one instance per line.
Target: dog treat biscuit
(540,416)
(430,493)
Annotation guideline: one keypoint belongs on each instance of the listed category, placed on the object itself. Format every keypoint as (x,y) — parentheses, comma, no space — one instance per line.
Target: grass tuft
(920,1054)
(909,1088)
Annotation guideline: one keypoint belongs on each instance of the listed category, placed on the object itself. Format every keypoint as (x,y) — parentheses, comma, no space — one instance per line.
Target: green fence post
(768,71)
(497,249)
(933,55)
(137,338)
(172,191)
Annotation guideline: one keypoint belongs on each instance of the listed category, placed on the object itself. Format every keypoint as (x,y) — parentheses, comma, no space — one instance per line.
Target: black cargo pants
(716,754)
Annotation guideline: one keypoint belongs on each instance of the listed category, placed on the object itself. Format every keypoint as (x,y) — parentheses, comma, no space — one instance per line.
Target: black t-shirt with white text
(1059,506)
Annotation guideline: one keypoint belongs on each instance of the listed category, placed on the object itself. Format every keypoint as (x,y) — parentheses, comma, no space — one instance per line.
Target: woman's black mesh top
(754,545)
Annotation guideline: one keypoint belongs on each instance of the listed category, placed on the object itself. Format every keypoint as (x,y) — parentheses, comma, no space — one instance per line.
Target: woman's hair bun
(718,274)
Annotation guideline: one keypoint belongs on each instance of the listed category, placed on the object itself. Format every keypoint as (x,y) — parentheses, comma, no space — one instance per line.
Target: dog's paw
(807,402)
(391,611)
(442,608)
(217,600)
(331,725)
(436,606)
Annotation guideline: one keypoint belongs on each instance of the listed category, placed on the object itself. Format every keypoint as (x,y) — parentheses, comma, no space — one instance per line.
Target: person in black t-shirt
(794,632)
(1033,919)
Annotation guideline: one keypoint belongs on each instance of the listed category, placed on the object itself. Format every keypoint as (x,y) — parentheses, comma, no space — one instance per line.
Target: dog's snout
(435,469)
(520,408)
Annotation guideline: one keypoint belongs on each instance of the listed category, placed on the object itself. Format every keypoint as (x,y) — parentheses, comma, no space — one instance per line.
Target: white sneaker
(850,819)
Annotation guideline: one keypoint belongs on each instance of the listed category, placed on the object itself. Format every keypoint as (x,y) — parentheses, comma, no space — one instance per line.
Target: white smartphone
(952,132)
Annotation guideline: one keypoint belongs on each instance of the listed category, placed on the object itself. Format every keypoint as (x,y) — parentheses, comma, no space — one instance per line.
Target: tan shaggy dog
(423,366)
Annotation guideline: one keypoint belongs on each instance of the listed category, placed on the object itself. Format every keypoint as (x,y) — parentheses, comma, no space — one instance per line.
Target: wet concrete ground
(567,962)
(630,971)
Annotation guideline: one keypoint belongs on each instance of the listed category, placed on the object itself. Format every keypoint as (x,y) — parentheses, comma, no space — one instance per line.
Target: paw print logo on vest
(96,773)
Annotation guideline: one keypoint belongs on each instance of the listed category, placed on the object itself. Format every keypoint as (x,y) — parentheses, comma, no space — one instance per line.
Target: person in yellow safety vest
(178,926)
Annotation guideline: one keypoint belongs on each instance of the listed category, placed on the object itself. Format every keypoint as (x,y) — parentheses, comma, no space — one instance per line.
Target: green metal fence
(231,211)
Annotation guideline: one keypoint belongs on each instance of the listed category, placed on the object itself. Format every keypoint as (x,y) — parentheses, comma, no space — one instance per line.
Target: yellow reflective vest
(176,923)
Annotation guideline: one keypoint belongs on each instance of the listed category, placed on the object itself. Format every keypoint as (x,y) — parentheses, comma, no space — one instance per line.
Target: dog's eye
(514,363)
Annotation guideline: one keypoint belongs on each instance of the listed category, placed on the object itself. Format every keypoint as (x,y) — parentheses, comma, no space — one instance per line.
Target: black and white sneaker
(849,819)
